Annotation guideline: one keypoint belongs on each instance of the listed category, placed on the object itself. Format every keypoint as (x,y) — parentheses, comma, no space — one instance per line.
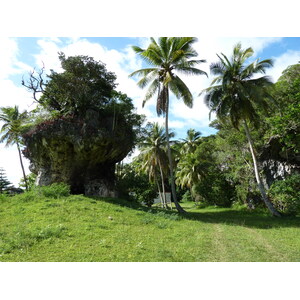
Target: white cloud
(12,95)
(9,161)
(290,57)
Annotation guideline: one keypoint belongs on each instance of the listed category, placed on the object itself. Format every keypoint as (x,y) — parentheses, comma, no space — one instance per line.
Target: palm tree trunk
(163,185)
(177,205)
(267,202)
(159,192)
(24,175)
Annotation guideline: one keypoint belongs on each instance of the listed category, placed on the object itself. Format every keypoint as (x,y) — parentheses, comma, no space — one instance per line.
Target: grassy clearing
(78,228)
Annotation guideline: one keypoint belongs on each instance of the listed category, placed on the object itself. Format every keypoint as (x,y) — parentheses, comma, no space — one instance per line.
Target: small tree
(30,181)
(4,183)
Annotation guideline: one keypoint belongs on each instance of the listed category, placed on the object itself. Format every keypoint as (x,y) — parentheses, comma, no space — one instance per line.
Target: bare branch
(35,83)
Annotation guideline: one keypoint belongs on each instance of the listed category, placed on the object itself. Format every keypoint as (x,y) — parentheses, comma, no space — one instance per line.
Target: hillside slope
(78,228)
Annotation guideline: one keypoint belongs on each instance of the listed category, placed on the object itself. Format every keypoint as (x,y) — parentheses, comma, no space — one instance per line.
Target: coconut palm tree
(192,140)
(11,130)
(189,171)
(154,156)
(236,93)
(168,57)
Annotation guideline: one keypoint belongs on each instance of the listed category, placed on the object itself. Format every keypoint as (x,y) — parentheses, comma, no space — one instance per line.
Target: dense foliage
(134,185)
(82,87)
(284,123)
(286,195)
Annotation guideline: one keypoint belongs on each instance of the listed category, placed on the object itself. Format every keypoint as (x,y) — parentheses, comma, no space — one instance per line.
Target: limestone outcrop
(277,163)
(80,152)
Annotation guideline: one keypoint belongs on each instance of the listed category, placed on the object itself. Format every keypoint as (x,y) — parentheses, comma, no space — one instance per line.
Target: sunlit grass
(78,228)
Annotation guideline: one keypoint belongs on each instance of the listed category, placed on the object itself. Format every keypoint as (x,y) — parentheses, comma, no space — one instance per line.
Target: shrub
(187,197)
(3,197)
(214,189)
(55,190)
(285,195)
(26,196)
(147,197)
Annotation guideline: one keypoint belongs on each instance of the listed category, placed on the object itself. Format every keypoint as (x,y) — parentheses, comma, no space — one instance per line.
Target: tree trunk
(159,192)
(267,202)
(177,205)
(163,185)
(24,175)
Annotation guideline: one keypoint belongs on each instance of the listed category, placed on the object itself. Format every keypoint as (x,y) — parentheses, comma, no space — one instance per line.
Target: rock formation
(277,163)
(80,152)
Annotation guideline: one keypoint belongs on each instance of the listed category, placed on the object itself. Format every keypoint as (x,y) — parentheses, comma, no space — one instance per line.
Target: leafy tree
(168,57)
(233,159)
(216,186)
(12,129)
(134,184)
(4,183)
(84,84)
(30,181)
(284,122)
(286,195)
(236,95)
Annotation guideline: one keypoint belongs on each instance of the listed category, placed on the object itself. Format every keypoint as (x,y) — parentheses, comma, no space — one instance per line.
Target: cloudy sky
(18,56)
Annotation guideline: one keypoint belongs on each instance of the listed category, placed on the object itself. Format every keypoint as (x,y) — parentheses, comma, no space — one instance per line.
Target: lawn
(78,228)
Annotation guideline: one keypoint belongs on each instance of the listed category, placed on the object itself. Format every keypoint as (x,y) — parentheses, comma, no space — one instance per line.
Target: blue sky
(20,55)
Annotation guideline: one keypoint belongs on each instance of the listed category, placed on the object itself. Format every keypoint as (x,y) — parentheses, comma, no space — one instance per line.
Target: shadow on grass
(244,218)
(224,216)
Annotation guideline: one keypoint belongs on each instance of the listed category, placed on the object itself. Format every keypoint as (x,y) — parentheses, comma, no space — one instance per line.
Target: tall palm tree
(236,93)
(11,130)
(154,156)
(168,57)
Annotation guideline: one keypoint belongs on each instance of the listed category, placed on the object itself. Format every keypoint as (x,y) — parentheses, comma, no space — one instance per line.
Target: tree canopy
(84,84)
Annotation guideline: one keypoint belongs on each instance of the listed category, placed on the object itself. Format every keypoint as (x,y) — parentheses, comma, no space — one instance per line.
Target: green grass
(78,228)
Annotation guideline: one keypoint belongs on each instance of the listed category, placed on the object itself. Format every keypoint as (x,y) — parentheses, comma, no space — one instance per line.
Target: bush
(187,197)
(285,195)
(214,189)
(55,190)
(26,196)
(147,197)
(3,197)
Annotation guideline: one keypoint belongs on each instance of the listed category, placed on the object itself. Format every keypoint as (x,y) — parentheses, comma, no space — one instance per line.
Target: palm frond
(142,72)
(152,90)
(180,90)
(190,71)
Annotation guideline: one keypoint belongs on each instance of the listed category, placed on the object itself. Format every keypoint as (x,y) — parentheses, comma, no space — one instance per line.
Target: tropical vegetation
(227,187)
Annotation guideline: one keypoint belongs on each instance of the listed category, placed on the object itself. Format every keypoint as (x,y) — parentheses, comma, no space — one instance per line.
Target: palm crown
(153,150)
(13,121)
(168,57)
(235,92)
